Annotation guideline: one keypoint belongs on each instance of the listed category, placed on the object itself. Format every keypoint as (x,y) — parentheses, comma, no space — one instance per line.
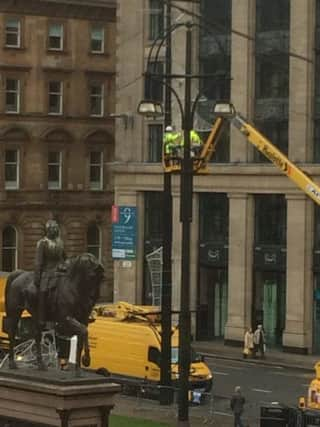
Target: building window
(156,21)
(270,220)
(13,32)
(214,217)
(97,39)
(55,97)
(12,96)
(11,170)
(94,241)
(155,143)
(153,84)
(55,37)
(9,249)
(96,99)
(96,170)
(54,170)
(273,15)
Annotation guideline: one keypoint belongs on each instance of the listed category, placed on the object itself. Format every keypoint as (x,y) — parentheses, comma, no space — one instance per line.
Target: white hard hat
(169,129)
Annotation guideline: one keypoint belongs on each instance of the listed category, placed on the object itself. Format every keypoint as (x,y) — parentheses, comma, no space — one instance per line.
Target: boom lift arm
(227,111)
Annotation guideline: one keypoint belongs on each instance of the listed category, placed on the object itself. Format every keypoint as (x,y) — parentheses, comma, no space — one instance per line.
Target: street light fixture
(150,108)
(224,109)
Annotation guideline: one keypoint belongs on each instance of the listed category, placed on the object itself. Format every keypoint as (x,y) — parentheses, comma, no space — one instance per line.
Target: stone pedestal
(56,398)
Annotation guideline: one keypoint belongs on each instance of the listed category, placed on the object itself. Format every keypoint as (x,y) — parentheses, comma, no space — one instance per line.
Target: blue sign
(124,232)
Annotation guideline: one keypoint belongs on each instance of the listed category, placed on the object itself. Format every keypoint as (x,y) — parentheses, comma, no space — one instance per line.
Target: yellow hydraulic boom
(269,150)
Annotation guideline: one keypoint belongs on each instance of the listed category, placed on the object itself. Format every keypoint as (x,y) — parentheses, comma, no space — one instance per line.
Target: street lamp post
(166,289)
(153,109)
(186,219)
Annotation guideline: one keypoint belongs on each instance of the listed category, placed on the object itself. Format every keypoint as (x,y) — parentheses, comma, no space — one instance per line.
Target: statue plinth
(56,398)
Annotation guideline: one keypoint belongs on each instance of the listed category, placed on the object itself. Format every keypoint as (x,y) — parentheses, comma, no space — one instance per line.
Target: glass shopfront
(269,290)
(213,271)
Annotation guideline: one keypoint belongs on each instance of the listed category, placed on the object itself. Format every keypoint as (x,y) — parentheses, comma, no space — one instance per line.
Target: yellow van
(125,340)
(25,327)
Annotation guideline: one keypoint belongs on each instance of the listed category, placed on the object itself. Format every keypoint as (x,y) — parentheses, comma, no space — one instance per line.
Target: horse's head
(88,273)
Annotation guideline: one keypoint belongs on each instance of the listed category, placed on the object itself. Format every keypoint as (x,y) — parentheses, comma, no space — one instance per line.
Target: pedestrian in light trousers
(237,405)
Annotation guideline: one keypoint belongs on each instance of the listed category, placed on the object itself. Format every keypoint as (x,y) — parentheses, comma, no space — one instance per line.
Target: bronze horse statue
(69,302)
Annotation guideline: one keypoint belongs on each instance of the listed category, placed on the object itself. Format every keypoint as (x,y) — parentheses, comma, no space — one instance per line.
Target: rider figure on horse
(49,255)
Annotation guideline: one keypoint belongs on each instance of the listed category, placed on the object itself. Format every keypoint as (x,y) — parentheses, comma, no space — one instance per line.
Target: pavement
(200,416)
(275,357)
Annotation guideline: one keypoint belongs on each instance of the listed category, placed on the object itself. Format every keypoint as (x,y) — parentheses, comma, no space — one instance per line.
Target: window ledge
(15,48)
(14,67)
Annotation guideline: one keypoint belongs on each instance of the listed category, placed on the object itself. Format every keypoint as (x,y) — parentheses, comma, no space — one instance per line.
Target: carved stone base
(56,398)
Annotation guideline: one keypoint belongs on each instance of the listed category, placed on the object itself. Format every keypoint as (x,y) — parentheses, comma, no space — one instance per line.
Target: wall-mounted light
(127,119)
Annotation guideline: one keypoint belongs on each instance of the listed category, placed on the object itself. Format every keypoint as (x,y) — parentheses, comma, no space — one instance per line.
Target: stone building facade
(57,95)
(254,235)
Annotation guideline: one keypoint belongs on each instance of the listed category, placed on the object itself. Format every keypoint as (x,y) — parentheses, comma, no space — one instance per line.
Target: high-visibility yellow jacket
(194,138)
(171,140)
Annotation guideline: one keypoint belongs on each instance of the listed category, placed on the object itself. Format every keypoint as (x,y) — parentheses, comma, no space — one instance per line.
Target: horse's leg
(38,334)
(79,329)
(12,332)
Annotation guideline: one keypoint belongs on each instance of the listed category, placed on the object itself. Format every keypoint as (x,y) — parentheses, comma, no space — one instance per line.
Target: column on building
(128,274)
(241,205)
(297,334)
(242,71)
(241,224)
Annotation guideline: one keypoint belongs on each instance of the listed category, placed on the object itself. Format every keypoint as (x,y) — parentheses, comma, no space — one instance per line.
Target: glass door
(270,305)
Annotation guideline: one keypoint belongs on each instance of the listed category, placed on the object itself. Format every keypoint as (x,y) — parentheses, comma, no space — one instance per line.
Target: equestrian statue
(60,290)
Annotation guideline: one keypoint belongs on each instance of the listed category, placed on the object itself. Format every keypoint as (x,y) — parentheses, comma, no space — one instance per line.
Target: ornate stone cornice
(96,10)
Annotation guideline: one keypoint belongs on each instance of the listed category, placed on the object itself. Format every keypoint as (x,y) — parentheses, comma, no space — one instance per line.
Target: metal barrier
(273,416)
(201,403)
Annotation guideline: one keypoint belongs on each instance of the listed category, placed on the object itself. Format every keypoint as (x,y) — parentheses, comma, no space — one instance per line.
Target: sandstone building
(57,72)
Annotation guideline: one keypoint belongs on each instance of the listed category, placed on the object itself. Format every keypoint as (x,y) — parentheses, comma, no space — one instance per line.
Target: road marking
(223,413)
(305,385)
(260,390)
(220,373)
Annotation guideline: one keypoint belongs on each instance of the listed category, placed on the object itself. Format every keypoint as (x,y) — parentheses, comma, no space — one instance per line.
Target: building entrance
(213,303)
(269,305)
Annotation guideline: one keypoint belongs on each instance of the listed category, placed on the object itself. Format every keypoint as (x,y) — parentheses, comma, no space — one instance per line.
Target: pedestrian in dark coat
(237,405)
(259,341)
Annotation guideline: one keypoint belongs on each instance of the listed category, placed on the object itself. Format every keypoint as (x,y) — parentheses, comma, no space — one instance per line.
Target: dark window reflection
(156,19)
(155,143)
(214,217)
(9,249)
(153,83)
(277,133)
(153,215)
(270,219)
(272,72)
(214,60)
(273,15)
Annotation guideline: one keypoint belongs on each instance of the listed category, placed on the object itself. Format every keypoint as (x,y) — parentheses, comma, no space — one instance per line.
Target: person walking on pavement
(237,406)
(248,345)
(259,341)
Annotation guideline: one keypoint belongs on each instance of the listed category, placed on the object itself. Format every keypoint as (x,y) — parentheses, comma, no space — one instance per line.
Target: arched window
(9,248)
(94,240)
